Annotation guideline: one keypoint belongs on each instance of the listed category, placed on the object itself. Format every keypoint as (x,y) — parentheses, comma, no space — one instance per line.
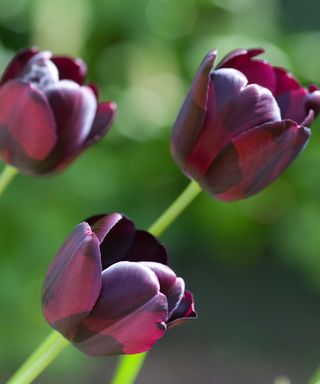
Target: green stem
(175,209)
(52,346)
(315,378)
(129,365)
(7,174)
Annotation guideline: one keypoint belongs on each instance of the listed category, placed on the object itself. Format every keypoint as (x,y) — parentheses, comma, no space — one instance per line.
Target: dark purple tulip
(47,116)
(109,289)
(242,124)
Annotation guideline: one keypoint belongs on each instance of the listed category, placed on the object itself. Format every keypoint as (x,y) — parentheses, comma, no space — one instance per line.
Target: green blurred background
(254,265)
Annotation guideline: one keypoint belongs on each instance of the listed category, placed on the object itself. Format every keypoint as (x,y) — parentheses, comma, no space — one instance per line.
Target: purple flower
(47,116)
(109,289)
(242,124)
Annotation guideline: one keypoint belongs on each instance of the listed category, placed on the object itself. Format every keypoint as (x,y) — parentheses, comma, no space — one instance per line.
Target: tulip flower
(47,115)
(109,289)
(242,124)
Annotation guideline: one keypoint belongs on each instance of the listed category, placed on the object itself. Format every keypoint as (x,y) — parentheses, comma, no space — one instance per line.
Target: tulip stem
(6,176)
(52,346)
(129,365)
(175,209)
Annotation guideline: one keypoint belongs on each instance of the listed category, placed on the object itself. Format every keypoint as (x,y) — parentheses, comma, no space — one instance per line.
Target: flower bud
(109,289)
(47,116)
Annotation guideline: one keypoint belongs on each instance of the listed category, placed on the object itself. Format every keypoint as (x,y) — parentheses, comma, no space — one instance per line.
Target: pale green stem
(7,174)
(129,366)
(315,378)
(52,346)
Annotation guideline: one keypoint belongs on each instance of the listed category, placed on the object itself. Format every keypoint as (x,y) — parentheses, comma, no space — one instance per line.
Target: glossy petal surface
(36,136)
(72,284)
(256,71)
(254,159)
(102,122)
(192,113)
(70,69)
(185,311)
(251,106)
(130,310)
(17,63)
(74,108)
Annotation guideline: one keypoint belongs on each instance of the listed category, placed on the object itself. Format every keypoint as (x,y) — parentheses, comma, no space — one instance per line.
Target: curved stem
(6,176)
(52,346)
(130,365)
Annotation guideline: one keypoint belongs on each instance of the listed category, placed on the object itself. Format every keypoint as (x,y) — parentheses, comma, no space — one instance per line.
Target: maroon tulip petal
(254,159)
(104,118)
(257,71)
(293,105)
(285,82)
(72,284)
(146,247)
(101,225)
(70,69)
(254,106)
(37,136)
(17,63)
(116,245)
(192,112)
(184,312)
(130,310)
(313,101)
(74,108)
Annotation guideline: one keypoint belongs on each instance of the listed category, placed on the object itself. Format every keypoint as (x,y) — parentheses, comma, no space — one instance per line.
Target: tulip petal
(146,247)
(254,159)
(313,101)
(26,121)
(253,106)
(17,63)
(170,285)
(102,224)
(293,105)
(192,113)
(130,310)
(117,243)
(257,71)
(102,122)
(70,69)
(285,82)
(72,284)
(184,312)
(74,109)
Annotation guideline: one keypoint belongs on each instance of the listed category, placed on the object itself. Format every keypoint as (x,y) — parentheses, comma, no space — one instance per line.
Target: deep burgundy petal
(192,113)
(254,159)
(130,310)
(146,247)
(285,82)
(74,109)
(102,224)
(26,123)
(185,311)
(72,284)
(102,123)
(293,105)
(117,243)
(17,63)
(257,71)
(70,69)
(313,101)
(251,107)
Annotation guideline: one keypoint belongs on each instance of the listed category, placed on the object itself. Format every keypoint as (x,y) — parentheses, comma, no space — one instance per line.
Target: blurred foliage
(143,54)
